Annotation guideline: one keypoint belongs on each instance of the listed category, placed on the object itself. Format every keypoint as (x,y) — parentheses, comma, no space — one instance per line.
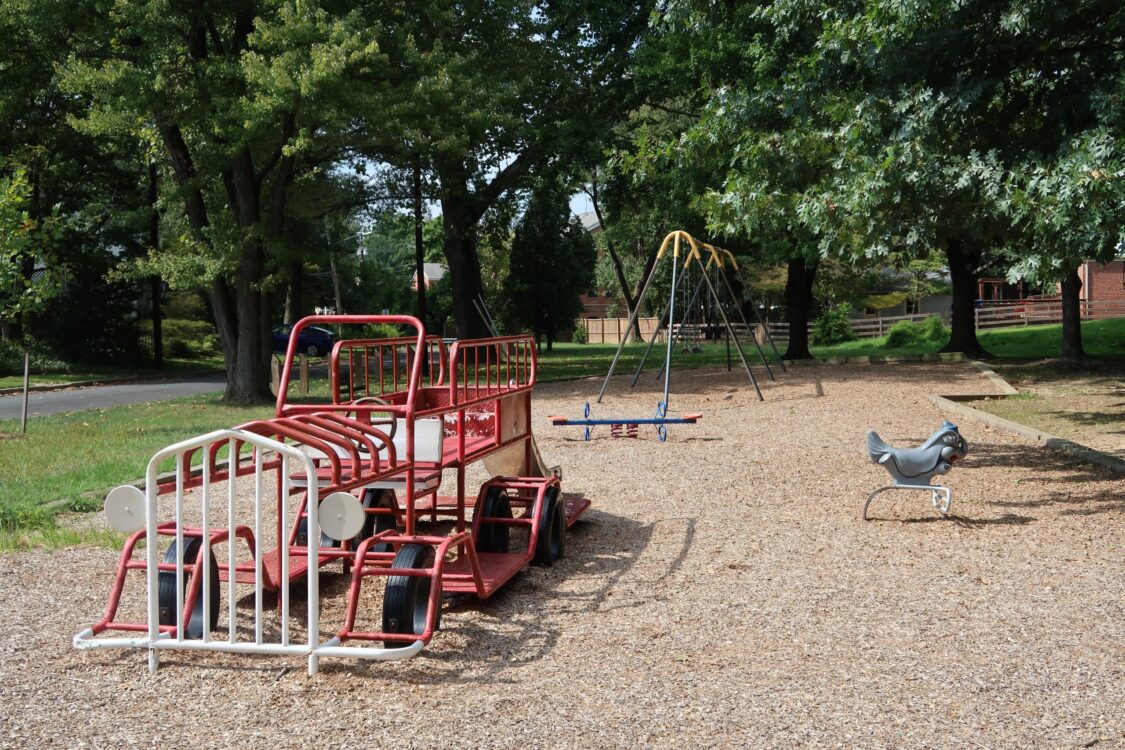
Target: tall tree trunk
(248,381)
(460,248)
(1071,350)
(156,286)
(963,272)
(419,246)
(618,267)
(295,292)
(798,298)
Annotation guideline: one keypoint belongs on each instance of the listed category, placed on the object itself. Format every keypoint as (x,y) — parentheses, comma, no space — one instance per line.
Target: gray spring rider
(914,468)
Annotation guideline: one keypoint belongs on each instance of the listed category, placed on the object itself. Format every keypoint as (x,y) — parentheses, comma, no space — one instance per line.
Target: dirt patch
(723,592)
(1086,406)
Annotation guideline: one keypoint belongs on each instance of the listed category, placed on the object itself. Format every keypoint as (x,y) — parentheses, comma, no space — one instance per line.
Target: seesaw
(627,426)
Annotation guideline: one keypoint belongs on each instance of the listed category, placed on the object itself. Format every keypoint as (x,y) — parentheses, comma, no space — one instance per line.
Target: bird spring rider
(915,468)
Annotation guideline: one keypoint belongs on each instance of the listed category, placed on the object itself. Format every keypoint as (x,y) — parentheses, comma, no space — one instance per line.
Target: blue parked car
(313,341)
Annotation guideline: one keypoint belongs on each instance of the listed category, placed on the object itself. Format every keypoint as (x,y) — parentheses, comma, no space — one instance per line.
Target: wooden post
(26,388)
(275,374)
(304,375)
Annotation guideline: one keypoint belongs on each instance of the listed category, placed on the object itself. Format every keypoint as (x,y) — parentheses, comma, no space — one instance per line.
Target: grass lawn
(1101,338)
(75,457)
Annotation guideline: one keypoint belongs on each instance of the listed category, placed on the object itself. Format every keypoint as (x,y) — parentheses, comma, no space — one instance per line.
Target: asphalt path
(106,396)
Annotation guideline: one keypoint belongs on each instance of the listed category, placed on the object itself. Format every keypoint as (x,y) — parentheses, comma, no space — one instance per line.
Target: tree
(957,103)
(243,99)
(485,125)
(1068,209)
(90,189)
(552,263)
(25,242)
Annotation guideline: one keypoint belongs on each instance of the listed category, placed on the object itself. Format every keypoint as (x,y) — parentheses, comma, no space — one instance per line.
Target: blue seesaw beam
(564,421)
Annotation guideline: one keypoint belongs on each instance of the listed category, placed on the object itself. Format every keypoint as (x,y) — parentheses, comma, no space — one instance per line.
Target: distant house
(1102,282)
(432,273)
(890,298)
(590,222)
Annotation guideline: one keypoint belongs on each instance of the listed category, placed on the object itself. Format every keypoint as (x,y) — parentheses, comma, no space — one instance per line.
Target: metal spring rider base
(941,497)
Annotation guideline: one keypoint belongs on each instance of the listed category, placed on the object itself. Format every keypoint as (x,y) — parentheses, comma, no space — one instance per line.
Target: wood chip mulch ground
(723,592)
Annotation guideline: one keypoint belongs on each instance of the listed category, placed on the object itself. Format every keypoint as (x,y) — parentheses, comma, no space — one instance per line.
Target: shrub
(178,348)
(935,330)
(581,335)
(378,331)
(904,333)
(833,326)
(42,359)
(909,333)
(184,338)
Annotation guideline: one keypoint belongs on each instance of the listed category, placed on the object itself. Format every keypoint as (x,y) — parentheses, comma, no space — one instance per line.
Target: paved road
(105,396)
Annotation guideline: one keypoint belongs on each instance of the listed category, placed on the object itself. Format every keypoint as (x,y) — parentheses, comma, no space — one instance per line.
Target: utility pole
(335,281)
(419,248)
(156,286)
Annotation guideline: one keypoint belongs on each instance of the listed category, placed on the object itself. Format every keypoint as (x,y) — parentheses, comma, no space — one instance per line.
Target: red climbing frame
(403,411)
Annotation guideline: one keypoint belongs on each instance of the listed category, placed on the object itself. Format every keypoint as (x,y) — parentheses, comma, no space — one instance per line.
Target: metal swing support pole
(717,259)
(632,320)
(671,318)
(698,287)
(669,310)
(757,316)
(737,344)
(753,338)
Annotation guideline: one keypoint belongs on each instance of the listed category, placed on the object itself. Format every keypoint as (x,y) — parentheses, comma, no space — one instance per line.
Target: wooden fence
(1035,312)
(864,328)
(995,315)
(610,330)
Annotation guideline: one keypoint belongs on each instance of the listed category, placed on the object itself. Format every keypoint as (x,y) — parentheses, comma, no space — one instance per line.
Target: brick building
(1103,282)
(595,302)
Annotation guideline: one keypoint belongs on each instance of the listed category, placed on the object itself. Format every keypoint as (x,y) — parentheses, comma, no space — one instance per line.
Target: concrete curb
(950,404)
(104,381)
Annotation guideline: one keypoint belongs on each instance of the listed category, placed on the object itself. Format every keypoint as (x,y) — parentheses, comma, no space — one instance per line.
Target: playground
(721,591)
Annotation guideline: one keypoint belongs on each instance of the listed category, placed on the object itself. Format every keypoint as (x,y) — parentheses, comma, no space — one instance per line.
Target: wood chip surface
(722,592)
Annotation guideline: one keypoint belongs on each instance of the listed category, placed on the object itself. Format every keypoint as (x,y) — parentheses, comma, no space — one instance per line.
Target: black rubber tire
(376,524)
(312,350)
(406,598)
(493,537)
(551,544)
(166,588)
(303,536)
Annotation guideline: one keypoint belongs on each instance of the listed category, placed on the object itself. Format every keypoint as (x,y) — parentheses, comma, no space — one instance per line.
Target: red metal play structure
(356,480)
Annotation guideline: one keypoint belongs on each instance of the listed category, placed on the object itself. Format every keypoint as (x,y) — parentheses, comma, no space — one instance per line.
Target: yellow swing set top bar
(717,254)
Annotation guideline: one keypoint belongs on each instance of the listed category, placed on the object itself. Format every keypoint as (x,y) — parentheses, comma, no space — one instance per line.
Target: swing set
(691,330)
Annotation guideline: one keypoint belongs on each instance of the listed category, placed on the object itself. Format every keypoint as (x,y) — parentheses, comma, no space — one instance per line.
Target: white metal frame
(155,641)
(941,497)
